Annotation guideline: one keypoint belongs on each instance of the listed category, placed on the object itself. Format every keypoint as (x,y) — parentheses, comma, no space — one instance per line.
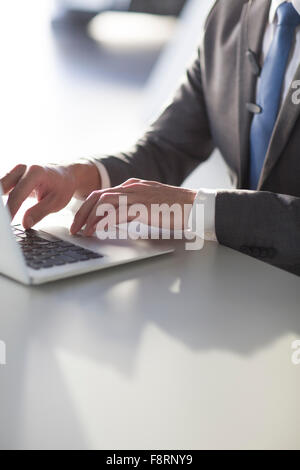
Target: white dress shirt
(208,197)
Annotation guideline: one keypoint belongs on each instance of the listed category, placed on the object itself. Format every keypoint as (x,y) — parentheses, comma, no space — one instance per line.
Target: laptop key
(47,264)
(95,256)
(59,262)
(34,266)
(65,259)
(63,244)
(40,253)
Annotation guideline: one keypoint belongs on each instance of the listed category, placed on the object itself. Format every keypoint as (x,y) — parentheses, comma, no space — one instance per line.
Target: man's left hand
(147,193)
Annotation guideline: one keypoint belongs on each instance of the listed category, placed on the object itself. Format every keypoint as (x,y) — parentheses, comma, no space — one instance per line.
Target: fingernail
(29,222)
(88,232)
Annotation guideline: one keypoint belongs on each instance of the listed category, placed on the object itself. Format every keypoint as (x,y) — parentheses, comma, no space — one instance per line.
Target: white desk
(188,351)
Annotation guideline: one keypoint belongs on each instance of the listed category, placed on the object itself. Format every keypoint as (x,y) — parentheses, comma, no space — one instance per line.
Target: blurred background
(86,77)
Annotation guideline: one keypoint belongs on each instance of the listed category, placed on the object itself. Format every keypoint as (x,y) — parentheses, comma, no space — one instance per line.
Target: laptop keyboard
(40,253)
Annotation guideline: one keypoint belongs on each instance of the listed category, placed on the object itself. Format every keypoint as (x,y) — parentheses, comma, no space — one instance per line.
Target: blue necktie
(270,89)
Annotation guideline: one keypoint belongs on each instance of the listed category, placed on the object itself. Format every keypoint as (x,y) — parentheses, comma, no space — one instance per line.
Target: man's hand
(53,186)
(147,193)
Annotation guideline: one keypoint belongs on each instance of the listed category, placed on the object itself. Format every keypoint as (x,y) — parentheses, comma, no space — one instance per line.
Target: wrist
(85,178)
(189,199)
(191,196)
(202,216)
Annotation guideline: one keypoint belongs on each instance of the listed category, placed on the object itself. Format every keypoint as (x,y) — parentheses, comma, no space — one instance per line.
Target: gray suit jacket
(209,111)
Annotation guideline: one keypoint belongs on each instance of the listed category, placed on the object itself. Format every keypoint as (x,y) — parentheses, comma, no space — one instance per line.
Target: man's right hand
(53,186)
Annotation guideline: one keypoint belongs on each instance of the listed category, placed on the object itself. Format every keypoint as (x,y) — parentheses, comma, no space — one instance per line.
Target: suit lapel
(285,123)
(253,24)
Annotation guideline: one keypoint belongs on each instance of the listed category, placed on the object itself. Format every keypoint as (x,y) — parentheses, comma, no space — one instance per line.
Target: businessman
(238,96)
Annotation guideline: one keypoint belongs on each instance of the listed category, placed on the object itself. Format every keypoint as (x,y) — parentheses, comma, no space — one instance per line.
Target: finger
(130,182)
(10,180)
(108,199)
(93,228)
(81,216)
(36,213)
(83,213)
(134,182)
(22,190)
(120,217)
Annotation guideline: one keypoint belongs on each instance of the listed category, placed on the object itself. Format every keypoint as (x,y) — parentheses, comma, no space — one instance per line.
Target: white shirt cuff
(202,216)
(105,179)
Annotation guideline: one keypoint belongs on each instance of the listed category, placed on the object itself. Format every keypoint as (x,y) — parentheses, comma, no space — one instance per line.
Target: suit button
(254,62)
(254,108)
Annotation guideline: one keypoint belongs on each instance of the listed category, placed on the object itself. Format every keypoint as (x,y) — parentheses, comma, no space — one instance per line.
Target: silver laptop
(38,257)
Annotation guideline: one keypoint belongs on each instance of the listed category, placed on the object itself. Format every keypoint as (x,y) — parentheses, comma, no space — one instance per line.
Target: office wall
(160,7)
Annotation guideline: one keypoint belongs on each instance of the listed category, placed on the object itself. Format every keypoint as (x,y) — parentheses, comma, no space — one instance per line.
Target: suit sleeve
(261,224)
(175,144)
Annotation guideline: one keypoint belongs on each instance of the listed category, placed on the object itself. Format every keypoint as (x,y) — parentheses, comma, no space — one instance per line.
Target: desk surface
(189,351)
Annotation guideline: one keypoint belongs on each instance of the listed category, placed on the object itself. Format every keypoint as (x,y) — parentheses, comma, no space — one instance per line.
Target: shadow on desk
(211,300)
(198,300)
